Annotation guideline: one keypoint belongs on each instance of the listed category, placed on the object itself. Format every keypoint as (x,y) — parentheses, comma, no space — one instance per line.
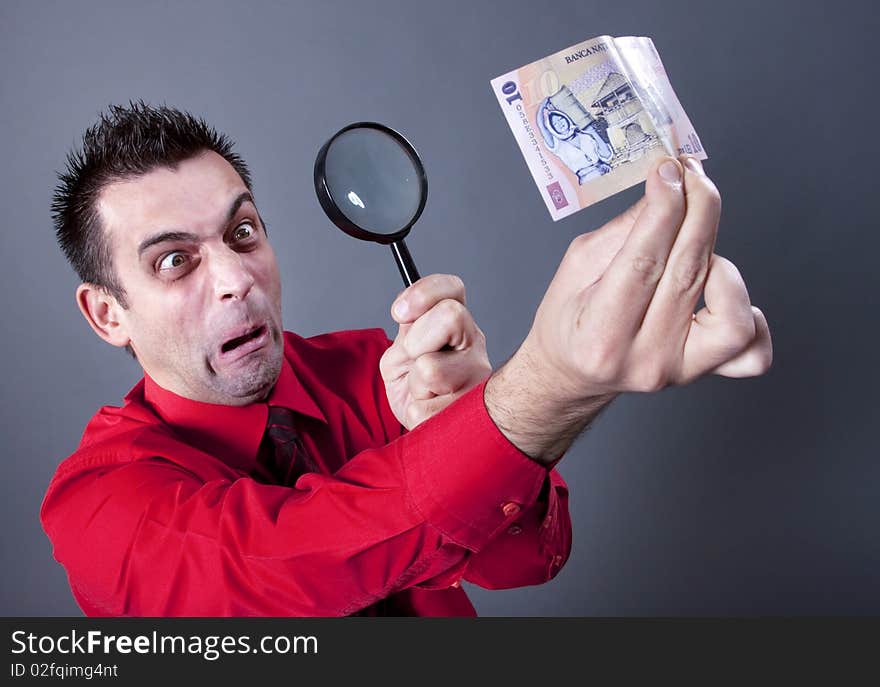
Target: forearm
(535,417)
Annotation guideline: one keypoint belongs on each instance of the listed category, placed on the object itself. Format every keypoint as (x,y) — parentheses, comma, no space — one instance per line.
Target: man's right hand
(619,316)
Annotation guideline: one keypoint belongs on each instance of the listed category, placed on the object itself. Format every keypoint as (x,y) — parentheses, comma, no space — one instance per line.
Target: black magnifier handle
(405,262)
(408,269)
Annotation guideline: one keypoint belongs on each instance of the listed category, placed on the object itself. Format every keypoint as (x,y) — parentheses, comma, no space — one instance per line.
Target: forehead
(194,197)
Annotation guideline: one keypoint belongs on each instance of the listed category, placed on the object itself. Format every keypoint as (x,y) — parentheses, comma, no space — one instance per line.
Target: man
(254,472)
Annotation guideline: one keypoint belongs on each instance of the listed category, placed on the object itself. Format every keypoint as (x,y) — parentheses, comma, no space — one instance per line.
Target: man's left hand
(421,376)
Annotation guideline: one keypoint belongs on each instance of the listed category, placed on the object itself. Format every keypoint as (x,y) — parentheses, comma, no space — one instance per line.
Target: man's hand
(619,316)
(421,376)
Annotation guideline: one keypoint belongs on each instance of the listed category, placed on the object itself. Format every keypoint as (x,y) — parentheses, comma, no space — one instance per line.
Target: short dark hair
(125,143)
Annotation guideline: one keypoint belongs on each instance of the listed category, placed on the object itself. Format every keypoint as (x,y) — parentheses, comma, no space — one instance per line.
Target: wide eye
(172,261)
(243,232)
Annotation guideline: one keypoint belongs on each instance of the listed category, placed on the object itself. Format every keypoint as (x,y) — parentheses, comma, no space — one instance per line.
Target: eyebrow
(161,237)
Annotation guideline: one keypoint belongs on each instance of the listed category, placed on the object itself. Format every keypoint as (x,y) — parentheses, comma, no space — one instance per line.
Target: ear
(103,312)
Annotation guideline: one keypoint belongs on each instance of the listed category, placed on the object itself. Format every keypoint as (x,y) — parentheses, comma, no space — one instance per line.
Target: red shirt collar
(231,433)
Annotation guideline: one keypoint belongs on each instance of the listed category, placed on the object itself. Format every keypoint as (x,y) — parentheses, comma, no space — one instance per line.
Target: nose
(232,278)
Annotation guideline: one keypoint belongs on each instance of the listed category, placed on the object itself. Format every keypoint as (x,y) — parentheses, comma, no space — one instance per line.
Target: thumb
(397,314)
(606,242)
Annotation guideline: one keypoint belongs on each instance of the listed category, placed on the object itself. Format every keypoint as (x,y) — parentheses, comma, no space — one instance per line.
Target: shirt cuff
(464,476)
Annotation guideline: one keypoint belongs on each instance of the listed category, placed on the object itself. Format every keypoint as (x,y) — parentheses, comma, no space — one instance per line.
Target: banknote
(591,120)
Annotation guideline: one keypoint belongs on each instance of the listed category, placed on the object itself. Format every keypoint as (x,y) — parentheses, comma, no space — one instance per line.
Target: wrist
(536,412)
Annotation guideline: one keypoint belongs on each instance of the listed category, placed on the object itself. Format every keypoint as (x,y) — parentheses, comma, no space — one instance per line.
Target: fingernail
(401,309)
(670,172)
(694,165)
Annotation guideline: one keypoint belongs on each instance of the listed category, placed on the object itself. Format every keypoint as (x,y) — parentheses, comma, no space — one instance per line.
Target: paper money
(591,119)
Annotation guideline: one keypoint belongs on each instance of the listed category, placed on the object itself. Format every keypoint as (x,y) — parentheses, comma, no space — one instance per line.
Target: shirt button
(514,529)
(510,508)
(456,584)
(547,522)
(556,561)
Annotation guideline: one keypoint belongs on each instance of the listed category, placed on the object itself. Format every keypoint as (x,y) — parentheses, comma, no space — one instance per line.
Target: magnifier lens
(373,180)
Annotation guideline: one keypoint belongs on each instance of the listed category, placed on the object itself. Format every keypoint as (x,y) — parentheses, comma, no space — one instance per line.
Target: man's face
(202,284)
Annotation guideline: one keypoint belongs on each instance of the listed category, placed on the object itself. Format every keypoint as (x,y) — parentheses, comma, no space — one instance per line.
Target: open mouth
(232,344)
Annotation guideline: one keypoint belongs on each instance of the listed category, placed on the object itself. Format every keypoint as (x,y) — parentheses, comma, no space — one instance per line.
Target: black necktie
(282,456)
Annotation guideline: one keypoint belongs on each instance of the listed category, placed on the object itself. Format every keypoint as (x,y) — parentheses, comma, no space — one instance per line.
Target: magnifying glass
(372,185)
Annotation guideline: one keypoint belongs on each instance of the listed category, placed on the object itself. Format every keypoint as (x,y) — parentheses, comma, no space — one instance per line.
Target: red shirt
(157,512)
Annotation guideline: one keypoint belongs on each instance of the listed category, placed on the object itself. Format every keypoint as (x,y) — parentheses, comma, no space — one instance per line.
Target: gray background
(725,497)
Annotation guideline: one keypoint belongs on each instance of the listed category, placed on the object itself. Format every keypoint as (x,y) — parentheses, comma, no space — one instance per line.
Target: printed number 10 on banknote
(591,119)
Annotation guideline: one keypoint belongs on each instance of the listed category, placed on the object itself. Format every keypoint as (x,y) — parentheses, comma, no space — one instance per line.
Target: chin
(254,382)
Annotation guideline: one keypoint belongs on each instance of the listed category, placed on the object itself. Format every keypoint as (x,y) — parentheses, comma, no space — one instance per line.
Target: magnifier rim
(335,213)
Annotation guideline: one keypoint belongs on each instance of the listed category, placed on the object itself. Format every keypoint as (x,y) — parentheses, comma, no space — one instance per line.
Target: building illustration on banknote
(591,119)
(616,128)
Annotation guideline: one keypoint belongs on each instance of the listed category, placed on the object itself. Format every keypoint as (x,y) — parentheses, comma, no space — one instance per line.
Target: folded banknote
(591,119)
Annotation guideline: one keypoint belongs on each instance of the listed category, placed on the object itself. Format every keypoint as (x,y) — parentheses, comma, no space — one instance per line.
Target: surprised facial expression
(201,281)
